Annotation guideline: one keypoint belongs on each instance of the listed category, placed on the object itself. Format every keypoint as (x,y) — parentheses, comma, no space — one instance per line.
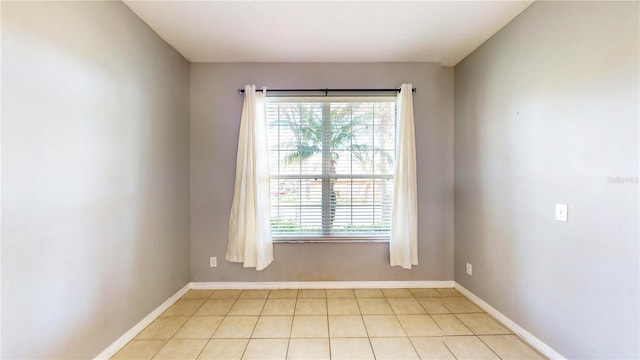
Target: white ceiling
(326,31)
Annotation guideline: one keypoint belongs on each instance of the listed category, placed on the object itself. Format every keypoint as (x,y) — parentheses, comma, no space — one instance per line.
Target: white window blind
(331,167)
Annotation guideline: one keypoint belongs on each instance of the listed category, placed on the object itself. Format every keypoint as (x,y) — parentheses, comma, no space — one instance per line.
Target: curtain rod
(327,91)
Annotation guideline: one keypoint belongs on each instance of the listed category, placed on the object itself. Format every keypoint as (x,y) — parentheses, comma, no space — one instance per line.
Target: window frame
(326,124)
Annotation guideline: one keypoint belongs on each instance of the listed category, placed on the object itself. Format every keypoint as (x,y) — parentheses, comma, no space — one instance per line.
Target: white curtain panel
(249,222)
(403,244)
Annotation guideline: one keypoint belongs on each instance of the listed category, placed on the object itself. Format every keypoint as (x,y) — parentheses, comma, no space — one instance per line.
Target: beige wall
(95,176)
(546,112)
(215,120)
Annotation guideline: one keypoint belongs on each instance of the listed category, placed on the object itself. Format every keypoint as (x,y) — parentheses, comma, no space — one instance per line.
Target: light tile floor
(326,324)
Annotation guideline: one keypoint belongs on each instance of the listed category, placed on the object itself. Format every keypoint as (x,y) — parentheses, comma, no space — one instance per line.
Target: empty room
(320,179)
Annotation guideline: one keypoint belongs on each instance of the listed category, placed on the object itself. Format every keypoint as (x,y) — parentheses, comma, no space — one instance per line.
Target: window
(332,163)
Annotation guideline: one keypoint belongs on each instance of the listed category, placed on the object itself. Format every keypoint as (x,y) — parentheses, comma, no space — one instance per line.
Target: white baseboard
(322,285)
(137,328)
(545,349)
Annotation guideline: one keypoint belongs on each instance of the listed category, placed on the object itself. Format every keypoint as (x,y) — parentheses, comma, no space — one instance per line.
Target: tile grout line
(439,327)
(431,318)
(181,326)
(157,351)
(214,330)
(194,314)
(490,348)
(293,318)
(514,335)
(365,325)
(326,303)
(529,345)
(450,351)
(405,330)
(177,330)
(226,315)
(254,325)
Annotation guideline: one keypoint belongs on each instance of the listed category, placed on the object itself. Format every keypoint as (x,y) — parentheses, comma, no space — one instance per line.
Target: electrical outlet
(562,212)
(469,269)
(213,261)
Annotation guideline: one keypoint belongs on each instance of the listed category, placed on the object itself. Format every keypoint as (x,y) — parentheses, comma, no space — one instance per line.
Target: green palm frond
(307,129)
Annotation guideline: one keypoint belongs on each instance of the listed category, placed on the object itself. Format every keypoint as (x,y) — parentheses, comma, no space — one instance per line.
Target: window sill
(328,240)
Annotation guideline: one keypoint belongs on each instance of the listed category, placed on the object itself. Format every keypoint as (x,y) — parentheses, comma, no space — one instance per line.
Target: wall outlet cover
(469,269)
(213,261)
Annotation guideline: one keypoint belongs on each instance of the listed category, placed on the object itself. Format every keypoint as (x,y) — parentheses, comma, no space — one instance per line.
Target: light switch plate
(562,212)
